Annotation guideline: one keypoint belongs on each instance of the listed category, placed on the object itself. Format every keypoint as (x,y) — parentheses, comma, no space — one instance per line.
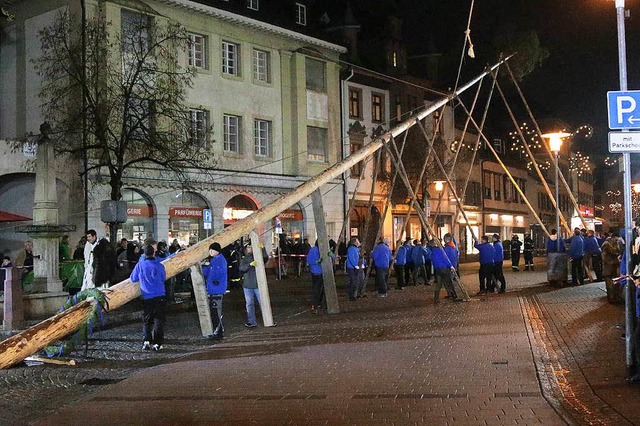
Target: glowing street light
(555,143)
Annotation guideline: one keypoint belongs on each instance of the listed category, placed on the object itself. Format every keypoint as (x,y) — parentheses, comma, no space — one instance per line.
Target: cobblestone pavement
(399,360)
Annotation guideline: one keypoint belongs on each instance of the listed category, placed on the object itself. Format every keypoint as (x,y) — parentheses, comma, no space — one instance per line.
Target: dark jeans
(577,270)
(427,267)
(317,290)
(399,275)
(485,274)
(153,317)
(515,259)
(352,285)
(215,305)
(443,279)
(596,262)
(408,272)
(381,280)
(498,277)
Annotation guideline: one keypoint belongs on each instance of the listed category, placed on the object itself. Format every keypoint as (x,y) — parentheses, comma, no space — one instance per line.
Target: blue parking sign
(623,108)
(206,215)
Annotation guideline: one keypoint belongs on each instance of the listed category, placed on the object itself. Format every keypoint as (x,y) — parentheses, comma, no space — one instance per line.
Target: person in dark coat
(527,252)
(516,244)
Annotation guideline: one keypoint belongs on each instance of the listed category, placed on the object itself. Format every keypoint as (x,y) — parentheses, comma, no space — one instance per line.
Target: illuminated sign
(234,214)
(139,210)
(193,212)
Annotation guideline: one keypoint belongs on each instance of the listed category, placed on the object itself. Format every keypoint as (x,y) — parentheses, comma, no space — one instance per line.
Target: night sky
(581,38)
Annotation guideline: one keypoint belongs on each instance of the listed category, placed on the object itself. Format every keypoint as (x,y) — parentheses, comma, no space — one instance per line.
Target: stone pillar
(13,303)
(327,262)
(46,266)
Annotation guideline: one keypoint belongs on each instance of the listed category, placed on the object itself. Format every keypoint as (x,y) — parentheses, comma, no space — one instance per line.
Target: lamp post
(626,173)
(439,187)
(555,143)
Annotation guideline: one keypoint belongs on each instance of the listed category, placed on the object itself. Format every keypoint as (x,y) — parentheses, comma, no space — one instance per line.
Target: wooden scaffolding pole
(21,345)
(547,148)
(530,154)
(506,170)
(462,291)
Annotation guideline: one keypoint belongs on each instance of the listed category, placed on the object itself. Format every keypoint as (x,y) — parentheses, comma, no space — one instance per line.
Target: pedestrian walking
(353,267)
(498,259)
(516,244)
(381,256)
(576,254)
(215,274)
(487,256)
(527,252)
(151,275)
(250,283)
(317,285)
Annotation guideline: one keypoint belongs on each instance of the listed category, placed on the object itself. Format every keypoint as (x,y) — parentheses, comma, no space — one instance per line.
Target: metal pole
(557,204)
(626,163)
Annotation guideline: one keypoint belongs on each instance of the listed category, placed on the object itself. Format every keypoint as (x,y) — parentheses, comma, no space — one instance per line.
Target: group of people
(586,252)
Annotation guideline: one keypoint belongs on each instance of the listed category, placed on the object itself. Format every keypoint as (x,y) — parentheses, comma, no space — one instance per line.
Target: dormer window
(252,4)
(301,14)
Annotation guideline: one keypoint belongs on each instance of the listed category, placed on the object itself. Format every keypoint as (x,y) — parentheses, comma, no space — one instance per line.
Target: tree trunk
(28,342)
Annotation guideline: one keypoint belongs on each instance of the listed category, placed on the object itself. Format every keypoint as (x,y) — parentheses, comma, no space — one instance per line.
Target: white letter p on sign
(625,105)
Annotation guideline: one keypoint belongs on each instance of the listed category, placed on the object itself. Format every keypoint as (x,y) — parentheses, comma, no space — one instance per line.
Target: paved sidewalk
(399,360)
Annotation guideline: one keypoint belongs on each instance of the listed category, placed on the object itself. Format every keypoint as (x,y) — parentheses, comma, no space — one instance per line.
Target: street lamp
(555,143)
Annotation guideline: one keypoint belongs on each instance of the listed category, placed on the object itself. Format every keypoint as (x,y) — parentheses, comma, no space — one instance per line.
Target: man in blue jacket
(401,263)
(418,255)
(576,254)
(381,256)
(216,280)
(443,270)
(593,255)
(487,256)
(317,285)
(353,267)
(555,244)
(498,275)
(151,276)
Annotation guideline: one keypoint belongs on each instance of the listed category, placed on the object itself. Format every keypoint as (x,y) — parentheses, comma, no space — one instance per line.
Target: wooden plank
(328,278)
(261,275)
(202,300)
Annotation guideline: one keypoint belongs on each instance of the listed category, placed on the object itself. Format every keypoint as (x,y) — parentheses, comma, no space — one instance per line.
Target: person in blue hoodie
(593,255)
(151,276)
(215,274)
(487,256)
(443,271)
(401,263)
(353,267)
(576,254)
(317,285)
(408,267)
(381,256)
(555,244)
(498,259)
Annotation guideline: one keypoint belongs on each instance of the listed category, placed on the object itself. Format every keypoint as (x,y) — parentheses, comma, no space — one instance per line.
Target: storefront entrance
(185,219)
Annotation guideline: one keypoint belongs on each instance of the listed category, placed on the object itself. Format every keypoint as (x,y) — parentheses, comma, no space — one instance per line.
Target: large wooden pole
(19,346)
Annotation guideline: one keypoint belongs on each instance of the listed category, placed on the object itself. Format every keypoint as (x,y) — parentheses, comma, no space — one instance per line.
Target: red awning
(10,217)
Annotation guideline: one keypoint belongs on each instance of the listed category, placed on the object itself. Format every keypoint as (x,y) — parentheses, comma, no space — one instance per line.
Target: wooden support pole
(261,276)
(13,315)
(328,278)
(506,170)
(21,345)
(423,218)
(547,148)
(530,154)
(202,300)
